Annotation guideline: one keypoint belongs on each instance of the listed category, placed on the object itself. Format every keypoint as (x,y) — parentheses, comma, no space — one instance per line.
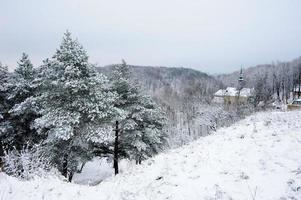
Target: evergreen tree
(75,106)
(22,114)
(25,68)
(141,126)
(144,134)
(5,125)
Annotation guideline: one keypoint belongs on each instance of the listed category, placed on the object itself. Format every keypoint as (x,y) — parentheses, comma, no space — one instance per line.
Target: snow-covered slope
(256,158)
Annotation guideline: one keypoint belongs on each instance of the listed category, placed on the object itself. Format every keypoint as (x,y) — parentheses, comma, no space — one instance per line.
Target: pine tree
(141,132)
(22,114)
(25,68)
(5,125)
(144,134)
(75,106)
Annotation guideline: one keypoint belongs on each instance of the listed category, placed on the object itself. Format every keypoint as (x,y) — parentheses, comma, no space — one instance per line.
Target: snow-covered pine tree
(25,68)
(76,106)
(141,128)
(144,131)
(5,126)
(22,114)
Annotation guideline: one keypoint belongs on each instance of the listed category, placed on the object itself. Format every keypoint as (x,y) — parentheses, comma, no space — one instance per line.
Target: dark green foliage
(141,126)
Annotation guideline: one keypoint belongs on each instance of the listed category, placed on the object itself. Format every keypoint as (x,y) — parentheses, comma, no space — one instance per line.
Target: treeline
(271,82)
(71,113)
(278,83)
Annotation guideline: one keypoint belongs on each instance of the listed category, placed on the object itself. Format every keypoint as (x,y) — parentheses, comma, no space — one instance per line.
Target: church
(234,95)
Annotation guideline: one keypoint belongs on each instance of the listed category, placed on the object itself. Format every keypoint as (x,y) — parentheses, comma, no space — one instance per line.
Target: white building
(232,95)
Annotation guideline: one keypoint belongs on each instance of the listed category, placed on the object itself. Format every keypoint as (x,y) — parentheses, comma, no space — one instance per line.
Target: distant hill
(159,81)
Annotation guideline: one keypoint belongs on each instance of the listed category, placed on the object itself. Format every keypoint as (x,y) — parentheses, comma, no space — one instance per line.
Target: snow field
(256,158)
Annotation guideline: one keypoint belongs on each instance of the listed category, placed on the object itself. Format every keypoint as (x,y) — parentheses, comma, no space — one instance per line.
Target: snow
(220,92)
(99,169)
(246,92)
(232,91)
(256,158)
(94,172)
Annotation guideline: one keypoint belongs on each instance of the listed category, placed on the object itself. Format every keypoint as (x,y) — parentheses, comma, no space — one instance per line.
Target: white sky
(213,36)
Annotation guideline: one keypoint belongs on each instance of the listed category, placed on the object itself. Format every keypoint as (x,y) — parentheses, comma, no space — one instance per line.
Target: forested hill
(179,82)
(251,74)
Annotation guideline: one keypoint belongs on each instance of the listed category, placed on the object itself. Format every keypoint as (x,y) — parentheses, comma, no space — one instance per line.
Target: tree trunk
(116,149)
(278,84)
(1,155)
(65,166)
(283,90)
(81,168)
(188,123)
(70,176)
(138,160)
(273,84)
(299,88)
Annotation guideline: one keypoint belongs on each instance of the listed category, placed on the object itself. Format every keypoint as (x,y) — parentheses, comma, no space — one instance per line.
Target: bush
(27,163)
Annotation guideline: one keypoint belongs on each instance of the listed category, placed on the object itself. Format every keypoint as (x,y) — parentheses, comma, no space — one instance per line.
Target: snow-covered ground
(256,158)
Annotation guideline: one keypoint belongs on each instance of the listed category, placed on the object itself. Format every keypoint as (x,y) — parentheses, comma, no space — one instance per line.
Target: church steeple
(240,79)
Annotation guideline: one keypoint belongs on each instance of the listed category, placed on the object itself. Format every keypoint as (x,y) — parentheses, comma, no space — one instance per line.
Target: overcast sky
(213,36)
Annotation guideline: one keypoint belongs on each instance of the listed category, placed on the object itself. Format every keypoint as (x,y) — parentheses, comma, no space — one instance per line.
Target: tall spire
(240,79)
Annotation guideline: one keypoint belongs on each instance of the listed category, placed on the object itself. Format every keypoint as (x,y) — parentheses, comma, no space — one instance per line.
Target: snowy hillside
(155,80)
(256,158)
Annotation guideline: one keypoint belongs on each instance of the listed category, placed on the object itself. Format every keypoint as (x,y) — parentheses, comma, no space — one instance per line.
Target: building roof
(232,91)
(246,92)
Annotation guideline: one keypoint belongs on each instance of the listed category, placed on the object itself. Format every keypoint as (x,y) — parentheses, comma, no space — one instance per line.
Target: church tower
(240,80)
